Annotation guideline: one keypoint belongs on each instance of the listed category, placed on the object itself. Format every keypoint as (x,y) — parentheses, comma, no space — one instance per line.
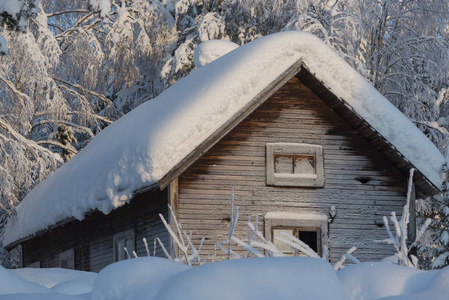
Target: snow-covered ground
(259,278)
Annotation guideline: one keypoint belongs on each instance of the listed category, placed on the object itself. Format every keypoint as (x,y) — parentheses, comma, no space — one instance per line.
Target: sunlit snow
(151,278)
(209,51)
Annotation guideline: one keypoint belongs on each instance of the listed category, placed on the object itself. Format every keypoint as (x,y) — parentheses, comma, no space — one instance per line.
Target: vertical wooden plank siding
(359,181)
(92,239)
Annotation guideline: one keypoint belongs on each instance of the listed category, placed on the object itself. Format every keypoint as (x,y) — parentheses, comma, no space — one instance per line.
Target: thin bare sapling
(399,239)
(187,252)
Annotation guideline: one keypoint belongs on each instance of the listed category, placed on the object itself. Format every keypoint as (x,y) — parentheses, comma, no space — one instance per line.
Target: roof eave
(425,187)
(12,245)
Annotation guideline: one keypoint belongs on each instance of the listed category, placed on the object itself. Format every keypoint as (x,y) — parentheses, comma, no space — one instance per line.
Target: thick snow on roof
(211,50)
(142,147)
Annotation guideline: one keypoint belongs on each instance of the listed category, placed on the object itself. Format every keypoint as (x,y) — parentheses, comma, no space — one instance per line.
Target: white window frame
(68,256)
(311,222)
(124,235)
(300,180)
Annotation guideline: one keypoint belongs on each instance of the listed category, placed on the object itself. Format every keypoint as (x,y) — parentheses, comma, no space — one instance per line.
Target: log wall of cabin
(92,238)
(294,114)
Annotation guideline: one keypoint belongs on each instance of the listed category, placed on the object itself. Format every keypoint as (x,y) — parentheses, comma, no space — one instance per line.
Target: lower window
(124,245)
(67,259)
(310,237)
(309,228)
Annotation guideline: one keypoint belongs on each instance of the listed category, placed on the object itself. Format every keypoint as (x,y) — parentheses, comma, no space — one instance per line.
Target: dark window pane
(120,250)
(310,238)
(64,264)
(129,245)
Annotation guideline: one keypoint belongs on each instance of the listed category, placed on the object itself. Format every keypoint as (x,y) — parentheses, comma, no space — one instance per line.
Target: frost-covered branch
(13,88)
(69,11)
(257,245)
(23,163)
(183,242)
(69,147)
(79,87)
(73,125)
(433,125)
(74,28)
(296,243)
(348,255)
(79,113)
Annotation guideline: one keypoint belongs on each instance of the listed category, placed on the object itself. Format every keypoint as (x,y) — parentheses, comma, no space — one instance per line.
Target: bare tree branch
(76,11)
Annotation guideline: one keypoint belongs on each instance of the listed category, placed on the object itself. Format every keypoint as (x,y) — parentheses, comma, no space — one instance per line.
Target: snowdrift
(284,278)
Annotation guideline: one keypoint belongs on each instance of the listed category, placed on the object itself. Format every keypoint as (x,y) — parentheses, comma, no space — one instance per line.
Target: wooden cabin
(301,152)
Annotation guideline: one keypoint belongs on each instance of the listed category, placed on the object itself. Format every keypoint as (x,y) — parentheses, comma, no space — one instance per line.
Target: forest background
(72,67)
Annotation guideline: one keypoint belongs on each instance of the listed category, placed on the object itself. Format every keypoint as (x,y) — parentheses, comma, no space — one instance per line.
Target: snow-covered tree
(23,163)
(36,101)
(136,47)
(434,251)
(242,21)
(406,53)
(58,85)
(15,13)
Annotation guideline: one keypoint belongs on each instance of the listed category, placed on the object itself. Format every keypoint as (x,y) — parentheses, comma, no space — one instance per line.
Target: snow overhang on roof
(143,147)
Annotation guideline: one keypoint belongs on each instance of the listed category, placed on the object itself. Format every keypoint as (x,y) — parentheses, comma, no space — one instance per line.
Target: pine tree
(65,136)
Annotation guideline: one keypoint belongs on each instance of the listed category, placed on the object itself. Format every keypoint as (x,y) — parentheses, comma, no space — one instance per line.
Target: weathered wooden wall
(92,239)
(294,115)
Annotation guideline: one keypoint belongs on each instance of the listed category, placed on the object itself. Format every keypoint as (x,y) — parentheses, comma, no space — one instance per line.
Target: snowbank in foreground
(388,281)
(13,284)
(284,278)
(267,278)
(124,279)
(62,281)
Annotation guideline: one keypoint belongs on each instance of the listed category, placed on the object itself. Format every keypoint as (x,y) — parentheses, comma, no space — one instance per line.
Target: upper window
(67,259)
(291,164)
(124,245)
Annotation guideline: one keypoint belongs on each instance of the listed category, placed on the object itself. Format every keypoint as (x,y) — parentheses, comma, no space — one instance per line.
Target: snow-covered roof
(211,50)
(142,147)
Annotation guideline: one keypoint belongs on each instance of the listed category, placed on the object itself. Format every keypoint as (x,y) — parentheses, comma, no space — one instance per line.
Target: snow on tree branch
(69,148)
(103,7)
(23,163)
(15,13)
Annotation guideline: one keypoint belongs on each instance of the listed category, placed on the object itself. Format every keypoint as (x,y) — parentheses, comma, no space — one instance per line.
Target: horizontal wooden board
(359,180)
(92,239)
